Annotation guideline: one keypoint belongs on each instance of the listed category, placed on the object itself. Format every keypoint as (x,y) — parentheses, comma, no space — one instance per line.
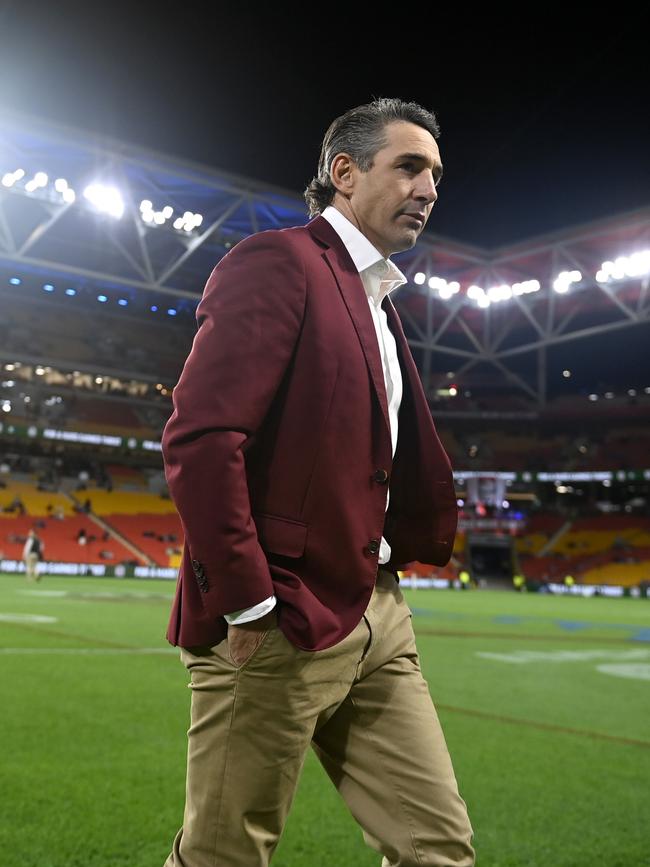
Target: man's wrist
(259,625)
(253,612)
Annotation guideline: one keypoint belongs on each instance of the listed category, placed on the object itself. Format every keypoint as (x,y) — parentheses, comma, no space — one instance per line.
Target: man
(32,553)
(299,502)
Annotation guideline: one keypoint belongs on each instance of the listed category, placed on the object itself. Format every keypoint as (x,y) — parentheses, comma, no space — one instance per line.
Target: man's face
(391,202)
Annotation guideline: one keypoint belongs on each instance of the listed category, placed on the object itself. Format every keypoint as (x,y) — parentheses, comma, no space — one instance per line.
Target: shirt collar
(381,274)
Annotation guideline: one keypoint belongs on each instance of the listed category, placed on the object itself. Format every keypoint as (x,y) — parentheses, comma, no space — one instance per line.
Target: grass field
(545,703)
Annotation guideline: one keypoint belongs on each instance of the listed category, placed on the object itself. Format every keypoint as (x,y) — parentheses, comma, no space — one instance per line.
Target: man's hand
(244,640)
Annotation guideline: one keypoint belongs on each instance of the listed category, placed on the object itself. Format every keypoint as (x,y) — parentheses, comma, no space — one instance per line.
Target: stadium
(534,637)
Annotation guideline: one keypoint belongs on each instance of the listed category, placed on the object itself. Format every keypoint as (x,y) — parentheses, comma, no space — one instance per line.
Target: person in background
(32,553)
(519,582)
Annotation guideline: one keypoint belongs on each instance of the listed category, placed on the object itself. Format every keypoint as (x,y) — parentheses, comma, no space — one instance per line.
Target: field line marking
(541,725)
(39,629)
(93,651)
(556,638)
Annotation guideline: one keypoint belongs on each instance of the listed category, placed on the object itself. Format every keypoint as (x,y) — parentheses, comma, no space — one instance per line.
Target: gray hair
(361,132)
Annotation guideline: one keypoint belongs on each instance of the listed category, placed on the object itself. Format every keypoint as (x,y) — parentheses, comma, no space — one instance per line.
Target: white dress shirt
(379,277)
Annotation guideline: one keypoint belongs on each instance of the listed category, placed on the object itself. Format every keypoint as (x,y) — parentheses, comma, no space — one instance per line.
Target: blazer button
(373,546)
(380,476)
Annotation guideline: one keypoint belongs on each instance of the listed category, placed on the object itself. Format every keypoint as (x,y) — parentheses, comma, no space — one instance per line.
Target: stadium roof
(142,230)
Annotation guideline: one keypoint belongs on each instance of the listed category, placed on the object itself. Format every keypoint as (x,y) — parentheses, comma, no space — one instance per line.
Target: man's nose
(426,189)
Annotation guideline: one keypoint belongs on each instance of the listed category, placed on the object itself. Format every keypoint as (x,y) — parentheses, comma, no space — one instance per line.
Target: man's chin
(406,241)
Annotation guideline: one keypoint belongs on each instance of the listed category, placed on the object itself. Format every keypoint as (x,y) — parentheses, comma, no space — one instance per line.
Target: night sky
(541,128)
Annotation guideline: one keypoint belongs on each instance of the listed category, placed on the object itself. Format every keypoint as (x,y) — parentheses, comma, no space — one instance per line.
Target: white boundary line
(87,651)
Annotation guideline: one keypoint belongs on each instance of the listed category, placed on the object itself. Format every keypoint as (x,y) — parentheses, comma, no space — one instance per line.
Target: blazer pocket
(281,535)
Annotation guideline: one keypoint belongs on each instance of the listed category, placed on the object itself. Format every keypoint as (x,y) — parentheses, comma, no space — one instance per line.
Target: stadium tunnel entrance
(491,560)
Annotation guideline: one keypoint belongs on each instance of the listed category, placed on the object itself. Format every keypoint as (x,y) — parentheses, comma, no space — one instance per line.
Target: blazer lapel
(417,423)
(409,371)
(354,295)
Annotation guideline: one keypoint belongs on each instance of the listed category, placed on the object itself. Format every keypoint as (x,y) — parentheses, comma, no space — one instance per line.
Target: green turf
(552,757)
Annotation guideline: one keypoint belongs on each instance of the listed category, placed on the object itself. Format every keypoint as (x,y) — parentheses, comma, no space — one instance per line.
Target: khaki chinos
(31,566)
(364,706)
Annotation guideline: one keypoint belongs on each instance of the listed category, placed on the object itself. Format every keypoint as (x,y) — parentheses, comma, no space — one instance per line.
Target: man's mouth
(419,218)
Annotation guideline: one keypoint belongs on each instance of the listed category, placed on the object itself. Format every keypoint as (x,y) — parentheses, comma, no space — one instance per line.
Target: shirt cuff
(253,613)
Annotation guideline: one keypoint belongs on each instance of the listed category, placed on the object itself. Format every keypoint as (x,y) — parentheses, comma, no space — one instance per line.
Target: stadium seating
(59,516)
(121,502)
(60,540)
(612,549)
(150,533)
(35,502)
(603,533)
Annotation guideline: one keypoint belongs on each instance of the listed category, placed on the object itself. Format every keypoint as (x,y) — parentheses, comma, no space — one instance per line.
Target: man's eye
(408,166)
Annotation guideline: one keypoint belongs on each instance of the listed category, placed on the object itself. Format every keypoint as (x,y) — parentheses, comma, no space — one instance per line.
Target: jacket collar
(354,295)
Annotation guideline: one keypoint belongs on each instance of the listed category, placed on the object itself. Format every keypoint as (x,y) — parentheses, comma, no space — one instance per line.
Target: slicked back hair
(361,132)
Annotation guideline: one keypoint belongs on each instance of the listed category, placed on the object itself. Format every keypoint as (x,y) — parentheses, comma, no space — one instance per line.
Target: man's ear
(342,173)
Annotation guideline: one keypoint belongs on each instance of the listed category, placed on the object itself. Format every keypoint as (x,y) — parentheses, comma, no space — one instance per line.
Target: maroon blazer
(278,452)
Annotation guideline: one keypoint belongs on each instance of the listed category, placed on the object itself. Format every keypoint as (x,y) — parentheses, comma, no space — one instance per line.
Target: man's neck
(343,207)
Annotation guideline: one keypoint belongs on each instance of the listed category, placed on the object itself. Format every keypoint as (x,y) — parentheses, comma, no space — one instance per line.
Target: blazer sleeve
(249,319)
